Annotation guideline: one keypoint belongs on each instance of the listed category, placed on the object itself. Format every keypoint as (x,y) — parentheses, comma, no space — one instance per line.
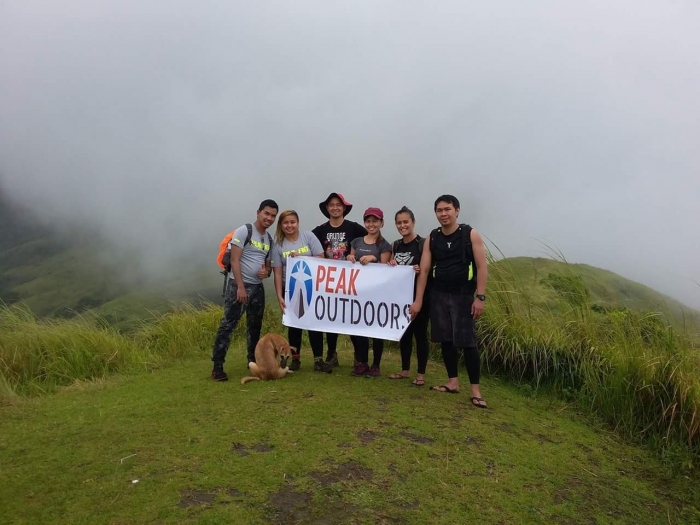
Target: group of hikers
(449,288)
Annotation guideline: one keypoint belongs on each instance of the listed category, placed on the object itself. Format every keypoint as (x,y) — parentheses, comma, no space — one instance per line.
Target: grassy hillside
(173,447)
(605,287)
(61,277)
(350,450)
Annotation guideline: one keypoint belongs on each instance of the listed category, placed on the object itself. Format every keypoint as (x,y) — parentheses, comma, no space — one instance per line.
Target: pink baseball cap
(373,212)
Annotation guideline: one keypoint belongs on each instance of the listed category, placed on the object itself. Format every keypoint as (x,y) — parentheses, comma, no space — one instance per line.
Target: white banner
(347,298)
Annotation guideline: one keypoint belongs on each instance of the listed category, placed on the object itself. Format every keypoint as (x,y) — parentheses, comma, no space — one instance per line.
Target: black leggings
(316,340)
(472,360)
(361,345)
(418,329)
(294,336)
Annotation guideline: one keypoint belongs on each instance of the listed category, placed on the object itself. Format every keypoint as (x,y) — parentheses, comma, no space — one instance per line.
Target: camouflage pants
(233,311)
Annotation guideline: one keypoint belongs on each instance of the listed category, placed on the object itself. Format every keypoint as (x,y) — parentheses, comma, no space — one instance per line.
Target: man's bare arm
(482,270)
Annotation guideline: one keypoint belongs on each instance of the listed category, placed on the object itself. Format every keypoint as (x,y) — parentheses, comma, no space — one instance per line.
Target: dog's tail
(248,379)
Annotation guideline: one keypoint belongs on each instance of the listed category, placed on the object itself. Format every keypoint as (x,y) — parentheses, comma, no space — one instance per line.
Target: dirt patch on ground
(290,506)
(307,395)
(262,447)
(395,472)
(544,439)
(382,403)
(344,445)
(294,507)
(350,471)
(239,448)
(491,469)
(416,438)
(367,436)
(569,488)
(590,455)
(193,498)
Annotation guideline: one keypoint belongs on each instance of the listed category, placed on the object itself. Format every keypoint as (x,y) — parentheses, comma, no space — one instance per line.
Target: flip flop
(478,400)
(418,382)
(397,375)
(447,389)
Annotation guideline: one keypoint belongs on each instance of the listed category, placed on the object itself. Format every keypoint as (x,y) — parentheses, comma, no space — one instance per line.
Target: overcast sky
(166,123)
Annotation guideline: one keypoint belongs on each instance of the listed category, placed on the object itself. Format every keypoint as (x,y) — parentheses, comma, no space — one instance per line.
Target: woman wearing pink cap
(372,248)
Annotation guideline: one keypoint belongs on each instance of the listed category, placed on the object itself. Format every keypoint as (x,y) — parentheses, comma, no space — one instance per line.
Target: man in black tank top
(455,256)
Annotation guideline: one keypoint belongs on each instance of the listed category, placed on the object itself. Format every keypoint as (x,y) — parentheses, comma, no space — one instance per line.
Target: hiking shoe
(218,374)
(360,369)
(295,364)
(320,366)
(332,359)
(373,372)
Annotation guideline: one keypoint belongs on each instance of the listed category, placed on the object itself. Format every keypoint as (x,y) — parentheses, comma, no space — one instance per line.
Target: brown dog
(266,366)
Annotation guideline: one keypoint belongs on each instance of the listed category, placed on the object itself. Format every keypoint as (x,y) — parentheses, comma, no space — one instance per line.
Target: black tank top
(408,255)
(453,264)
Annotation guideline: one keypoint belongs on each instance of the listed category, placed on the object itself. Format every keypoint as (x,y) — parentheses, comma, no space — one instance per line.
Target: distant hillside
(59,275)
(56,275)
(605,287)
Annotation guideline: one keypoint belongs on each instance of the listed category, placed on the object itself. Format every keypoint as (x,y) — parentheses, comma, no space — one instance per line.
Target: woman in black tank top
(407,251)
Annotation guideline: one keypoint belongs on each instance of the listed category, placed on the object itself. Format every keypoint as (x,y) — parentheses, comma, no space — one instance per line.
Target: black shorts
(451,319)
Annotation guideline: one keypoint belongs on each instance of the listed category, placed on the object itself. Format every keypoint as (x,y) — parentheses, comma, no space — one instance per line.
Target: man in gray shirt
(250,248)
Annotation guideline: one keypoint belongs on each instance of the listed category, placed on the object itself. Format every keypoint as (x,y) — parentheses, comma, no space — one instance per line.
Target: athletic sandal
(397,375)
(476,401)
(418,382)
(446,389)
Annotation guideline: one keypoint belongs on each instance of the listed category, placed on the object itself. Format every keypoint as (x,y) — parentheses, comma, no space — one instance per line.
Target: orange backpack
(224,257)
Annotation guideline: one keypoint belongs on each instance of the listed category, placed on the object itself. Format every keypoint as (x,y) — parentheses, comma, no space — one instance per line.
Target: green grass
(317,448)
(629,367)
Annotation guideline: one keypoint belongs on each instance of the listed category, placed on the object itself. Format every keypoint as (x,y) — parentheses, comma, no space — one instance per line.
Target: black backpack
(467,254)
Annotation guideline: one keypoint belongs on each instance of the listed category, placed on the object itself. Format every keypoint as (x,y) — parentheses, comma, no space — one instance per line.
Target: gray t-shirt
(307,244)
(376,249)
(254,253)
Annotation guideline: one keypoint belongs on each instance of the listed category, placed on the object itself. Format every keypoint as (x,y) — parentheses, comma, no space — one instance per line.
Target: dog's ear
(292,350)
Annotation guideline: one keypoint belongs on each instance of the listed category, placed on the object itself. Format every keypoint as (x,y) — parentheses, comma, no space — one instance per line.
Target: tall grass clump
(629,367)
(38,355)
(190,331)
(186,332)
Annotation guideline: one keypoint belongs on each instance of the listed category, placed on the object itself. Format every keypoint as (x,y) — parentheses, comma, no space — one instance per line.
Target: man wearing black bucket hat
(335,236)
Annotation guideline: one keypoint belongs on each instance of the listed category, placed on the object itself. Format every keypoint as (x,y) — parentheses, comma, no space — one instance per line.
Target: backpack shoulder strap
(466,233)
(421,242)
(394,246)
(467,240)
(249,227)
(433,236)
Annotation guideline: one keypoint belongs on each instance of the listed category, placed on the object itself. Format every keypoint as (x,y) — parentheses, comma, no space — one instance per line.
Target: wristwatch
(481,297)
